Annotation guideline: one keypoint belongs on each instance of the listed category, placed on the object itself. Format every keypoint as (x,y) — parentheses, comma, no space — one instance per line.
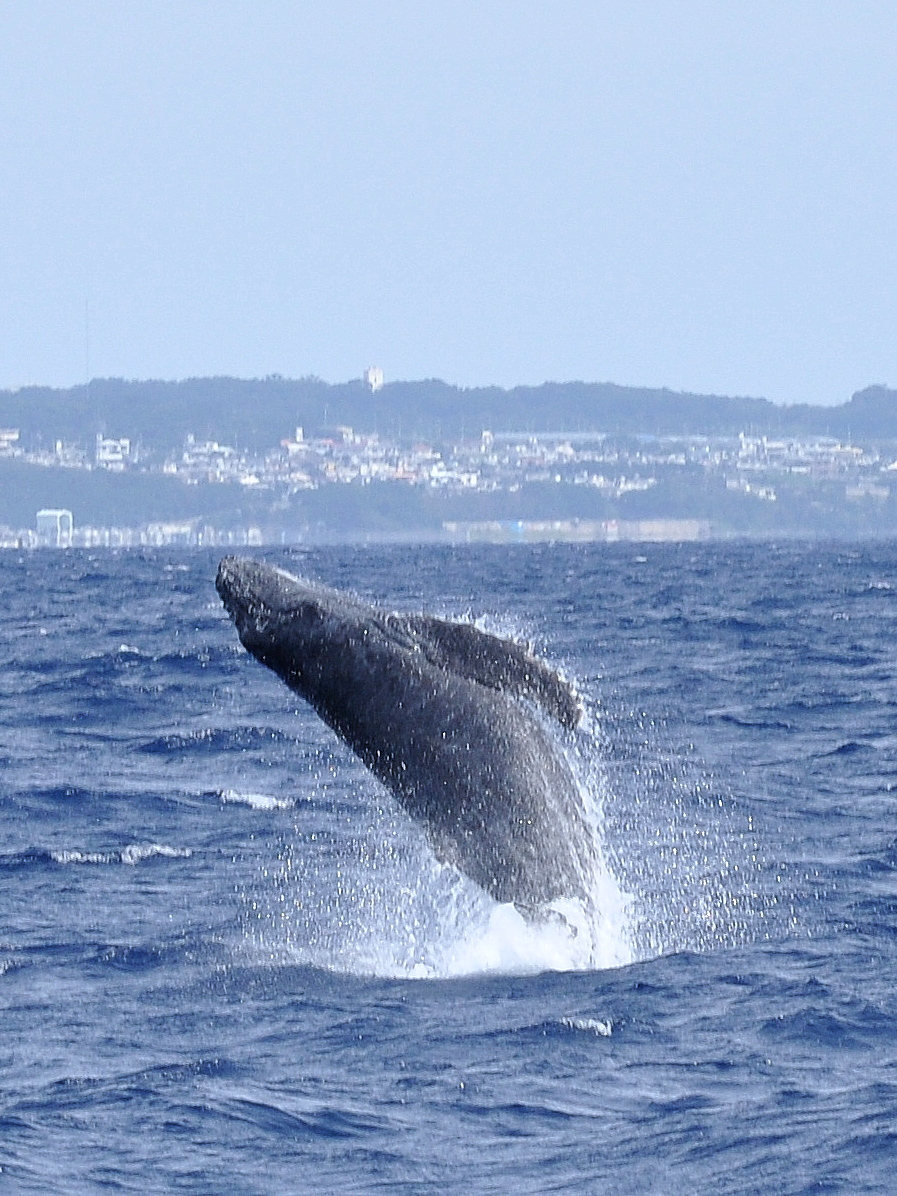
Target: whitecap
(258,801)
(602,1028)
(81,857)
(133,853)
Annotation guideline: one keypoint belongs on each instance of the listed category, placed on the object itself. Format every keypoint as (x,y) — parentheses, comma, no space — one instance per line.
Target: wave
(288,1118)
(601,1027)
(214,739)
(134,853)
(131,855)
(556,1027)
(850,747)
(257,801)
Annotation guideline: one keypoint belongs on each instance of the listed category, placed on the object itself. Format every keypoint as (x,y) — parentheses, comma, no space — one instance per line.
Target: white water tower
(373,376)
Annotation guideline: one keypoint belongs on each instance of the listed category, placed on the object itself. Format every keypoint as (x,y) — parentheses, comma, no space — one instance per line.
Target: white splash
(380,904)
(257,801)
(509,944)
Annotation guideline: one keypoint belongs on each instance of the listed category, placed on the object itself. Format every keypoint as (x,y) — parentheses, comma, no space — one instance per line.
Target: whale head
(266,603)
(257,595)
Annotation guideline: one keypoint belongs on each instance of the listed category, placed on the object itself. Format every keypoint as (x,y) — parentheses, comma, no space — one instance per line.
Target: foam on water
(509,944)
(257,801)
(132,854)
(602,1027)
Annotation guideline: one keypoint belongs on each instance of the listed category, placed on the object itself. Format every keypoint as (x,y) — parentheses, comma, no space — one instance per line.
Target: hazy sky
(696,195)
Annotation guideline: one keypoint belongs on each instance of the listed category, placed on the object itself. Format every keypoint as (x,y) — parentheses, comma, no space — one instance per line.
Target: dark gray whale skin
(433,709)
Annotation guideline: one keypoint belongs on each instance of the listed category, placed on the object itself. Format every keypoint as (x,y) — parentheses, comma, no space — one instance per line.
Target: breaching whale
(441,712)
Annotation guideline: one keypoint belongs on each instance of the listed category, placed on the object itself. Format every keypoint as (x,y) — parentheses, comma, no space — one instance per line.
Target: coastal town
(757,469)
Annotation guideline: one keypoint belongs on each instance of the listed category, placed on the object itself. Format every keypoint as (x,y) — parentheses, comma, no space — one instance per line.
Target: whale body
(443,714)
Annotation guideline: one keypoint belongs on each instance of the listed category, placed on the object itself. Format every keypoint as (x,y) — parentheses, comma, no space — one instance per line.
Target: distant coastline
(229,462)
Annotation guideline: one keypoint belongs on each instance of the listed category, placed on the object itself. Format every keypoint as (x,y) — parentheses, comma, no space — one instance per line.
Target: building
(54,527)
(112,454)
(373,376)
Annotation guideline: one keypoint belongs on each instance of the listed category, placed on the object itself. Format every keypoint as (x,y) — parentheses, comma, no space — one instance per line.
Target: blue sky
(694,195)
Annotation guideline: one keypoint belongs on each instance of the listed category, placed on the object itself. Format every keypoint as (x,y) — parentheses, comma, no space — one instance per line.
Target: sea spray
(372,899)
(684,846)
(677,865)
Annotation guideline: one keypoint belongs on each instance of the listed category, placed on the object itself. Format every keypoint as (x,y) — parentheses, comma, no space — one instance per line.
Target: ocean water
(229,963)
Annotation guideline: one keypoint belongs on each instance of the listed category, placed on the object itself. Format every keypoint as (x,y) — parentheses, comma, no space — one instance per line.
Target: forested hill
(257,413)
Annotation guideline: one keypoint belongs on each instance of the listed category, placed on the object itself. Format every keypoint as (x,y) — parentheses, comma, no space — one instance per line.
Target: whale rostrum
(443,714)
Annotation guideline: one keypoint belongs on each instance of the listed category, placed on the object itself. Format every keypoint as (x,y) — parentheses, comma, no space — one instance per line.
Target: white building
(373,376)
(112,454)
(54,527)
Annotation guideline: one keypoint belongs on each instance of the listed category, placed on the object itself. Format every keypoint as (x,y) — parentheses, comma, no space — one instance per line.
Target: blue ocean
(229,962)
